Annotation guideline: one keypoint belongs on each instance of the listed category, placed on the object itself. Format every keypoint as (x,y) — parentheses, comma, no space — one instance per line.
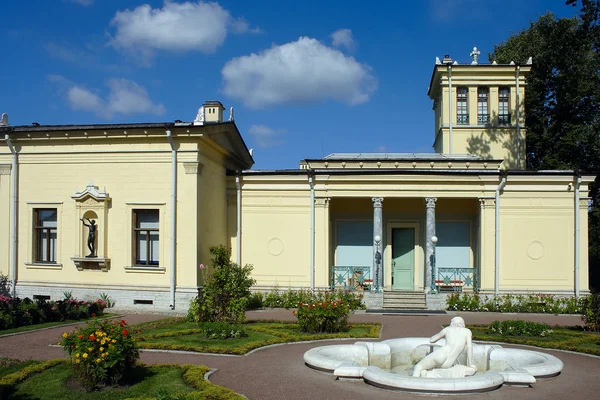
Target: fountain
(447,363)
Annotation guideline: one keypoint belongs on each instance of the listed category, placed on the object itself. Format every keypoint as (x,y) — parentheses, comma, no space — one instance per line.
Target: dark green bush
(591,312)
(291,298)
(255,301)
(225,293)
(519,328)
(530,303)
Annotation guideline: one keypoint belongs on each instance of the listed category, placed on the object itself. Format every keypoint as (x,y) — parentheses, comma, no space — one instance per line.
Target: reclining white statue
(458,339)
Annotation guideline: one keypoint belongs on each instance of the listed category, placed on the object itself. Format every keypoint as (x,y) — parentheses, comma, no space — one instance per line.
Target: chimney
(213,111)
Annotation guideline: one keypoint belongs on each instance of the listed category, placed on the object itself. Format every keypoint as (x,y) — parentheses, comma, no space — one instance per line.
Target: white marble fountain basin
(389,364)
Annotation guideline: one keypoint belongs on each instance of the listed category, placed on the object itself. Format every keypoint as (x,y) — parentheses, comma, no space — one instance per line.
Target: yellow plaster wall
(5,224)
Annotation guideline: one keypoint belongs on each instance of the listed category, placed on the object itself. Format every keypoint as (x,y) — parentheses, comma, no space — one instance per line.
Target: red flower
(122,323)
(125,332)
(93,315)
(92,338)
(80,336)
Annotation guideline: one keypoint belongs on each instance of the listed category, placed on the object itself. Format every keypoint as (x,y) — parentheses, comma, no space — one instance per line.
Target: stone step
(404,300)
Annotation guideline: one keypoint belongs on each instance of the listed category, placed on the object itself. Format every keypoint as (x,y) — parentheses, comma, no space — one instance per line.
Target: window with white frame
(145,237)
(483,114)
(462,110)
(45,235)
(503,108)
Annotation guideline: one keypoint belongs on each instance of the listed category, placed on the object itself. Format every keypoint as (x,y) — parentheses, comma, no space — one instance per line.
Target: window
(483,115)
(462,112)
(503,111)
(44,235)
(145,237)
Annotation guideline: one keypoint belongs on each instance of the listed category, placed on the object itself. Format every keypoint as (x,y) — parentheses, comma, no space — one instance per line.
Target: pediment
(91,194)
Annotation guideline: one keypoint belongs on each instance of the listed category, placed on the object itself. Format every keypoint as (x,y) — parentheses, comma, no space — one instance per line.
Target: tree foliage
(562,100)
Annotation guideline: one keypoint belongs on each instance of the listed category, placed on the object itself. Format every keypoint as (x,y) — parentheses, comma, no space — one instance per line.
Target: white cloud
(85,3)
(125,97)
(343,38)
(177,27)
(300,71)
(265,136)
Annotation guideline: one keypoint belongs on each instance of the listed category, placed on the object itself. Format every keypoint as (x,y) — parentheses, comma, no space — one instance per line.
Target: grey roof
(400,156)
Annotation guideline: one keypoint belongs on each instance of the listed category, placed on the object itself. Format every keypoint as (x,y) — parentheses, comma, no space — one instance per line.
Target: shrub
(519,328)
(591,312)
(328,316)
(531,303)
(222,330)
(291,298)
(4,285)
(100,352)
(225,293)
(255,301)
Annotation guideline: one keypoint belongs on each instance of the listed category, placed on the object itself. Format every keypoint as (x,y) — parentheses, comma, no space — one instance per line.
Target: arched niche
(92,205)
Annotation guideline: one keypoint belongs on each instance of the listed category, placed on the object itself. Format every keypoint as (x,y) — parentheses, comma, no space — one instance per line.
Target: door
(403,258)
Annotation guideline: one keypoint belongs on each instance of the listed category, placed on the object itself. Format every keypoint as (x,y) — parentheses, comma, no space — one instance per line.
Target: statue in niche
(91,243)
(442,362)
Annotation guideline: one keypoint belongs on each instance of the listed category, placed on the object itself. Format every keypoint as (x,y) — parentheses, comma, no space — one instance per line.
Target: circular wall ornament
(275,246)
(535,250)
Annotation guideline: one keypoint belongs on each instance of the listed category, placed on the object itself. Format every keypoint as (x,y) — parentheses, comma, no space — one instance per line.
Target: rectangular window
(483,115)
(45,232)
(503,110)
(146,237)
(462,111)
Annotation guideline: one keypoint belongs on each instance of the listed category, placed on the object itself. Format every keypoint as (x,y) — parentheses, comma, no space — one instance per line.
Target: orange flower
(92,337)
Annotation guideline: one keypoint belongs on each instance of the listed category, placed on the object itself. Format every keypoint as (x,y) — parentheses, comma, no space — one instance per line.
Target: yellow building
(467,217)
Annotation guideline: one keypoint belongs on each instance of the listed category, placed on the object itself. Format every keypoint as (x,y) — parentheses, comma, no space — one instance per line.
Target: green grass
(28,328)
(177,334)
(56,383)
(562,338)
(8,366)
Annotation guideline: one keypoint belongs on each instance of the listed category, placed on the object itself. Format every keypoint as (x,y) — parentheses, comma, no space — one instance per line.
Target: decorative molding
(487,202)
(5,169)
(193,167)
(92,263)
(322,202)
(148,270)
(34,265)
(377,202)
(430,202)
(93,192)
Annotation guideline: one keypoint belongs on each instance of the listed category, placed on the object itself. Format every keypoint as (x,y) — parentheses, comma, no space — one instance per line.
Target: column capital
(430,202)
(377,201)
(322,201)
(487,202)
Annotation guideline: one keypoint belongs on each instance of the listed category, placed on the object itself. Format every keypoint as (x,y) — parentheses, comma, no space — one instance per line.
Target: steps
(404,300)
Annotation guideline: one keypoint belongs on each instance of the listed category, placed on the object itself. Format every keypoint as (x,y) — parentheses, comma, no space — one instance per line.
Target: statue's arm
(83,220)
(438,336)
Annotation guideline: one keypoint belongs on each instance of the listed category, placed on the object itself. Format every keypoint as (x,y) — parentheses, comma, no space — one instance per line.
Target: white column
(377,247)
(429,233)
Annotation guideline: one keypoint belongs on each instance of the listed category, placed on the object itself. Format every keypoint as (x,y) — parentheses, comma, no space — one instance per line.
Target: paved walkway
(279,373)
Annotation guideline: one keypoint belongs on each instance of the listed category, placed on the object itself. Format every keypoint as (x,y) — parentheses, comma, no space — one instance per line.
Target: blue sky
(305,78)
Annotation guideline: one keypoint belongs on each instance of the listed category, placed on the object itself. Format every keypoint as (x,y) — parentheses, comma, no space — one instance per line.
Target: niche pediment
(91,195)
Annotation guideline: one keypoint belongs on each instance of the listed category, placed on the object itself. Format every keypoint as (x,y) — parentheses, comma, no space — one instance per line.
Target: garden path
(279,373)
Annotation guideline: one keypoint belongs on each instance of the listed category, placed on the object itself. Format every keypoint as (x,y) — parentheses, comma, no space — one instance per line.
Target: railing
(504,119)
(457,279)
(462,119)
(351,277)
(483,119)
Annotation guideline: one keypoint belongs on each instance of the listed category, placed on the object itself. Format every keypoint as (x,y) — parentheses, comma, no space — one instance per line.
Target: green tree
(562,100)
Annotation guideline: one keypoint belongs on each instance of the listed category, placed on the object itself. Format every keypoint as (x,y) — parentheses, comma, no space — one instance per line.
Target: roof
(398,156)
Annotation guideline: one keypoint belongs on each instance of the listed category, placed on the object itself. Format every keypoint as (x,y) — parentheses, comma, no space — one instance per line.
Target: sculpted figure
(91,243)
(458,338)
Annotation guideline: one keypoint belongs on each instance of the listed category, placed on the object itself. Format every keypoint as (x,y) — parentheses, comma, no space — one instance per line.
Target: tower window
(483,114)
(503,108)
(462,110)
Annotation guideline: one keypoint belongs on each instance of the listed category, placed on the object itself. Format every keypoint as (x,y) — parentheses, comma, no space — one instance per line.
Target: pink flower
(201,266)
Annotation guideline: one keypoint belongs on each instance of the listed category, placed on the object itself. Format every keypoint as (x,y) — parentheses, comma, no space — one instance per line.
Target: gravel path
(279,373)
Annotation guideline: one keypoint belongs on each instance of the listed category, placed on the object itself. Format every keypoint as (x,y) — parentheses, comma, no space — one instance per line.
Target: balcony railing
(462,119)
(483,119)
(351,277)
(504,119)
(456,279)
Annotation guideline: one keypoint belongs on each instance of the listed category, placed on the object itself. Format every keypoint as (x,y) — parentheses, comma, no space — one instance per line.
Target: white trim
(151,270)
(144,203)
(34,265)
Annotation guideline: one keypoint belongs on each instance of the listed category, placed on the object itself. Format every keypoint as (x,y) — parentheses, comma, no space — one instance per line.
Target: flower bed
(291,298)
(531,303)
(327,316)
(16,312)
(100,352)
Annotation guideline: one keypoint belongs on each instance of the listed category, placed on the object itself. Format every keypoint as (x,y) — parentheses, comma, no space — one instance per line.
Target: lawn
(28,328)
(161,382)
(177,334)
(562,338)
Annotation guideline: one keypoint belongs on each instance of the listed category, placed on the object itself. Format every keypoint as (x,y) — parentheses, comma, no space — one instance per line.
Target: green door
(403,258)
